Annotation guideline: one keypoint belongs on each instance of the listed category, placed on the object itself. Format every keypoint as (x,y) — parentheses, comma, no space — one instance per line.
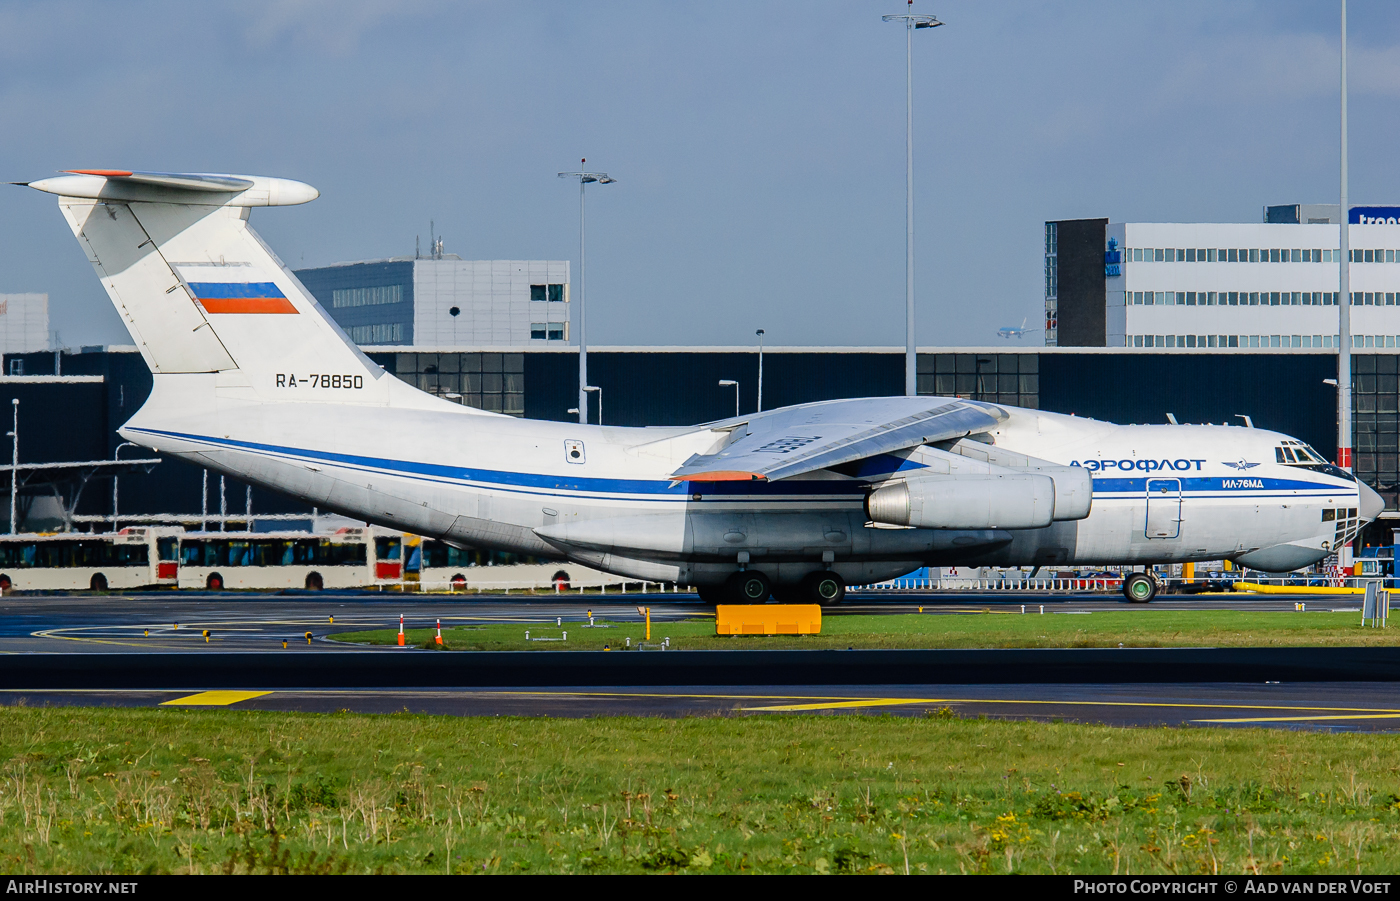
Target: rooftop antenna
(417,244)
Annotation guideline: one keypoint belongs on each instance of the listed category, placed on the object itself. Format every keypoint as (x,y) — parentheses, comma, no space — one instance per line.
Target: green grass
(172,791)
(1130,628)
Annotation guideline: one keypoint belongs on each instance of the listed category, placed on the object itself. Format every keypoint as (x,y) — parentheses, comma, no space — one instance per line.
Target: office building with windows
(24,322)
(1225,286)
(445,300)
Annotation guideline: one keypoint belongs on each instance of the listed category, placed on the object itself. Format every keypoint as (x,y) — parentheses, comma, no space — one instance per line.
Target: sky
(758,147)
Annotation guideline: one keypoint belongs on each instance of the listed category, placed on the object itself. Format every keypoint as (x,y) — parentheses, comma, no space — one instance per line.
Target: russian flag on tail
(241,297)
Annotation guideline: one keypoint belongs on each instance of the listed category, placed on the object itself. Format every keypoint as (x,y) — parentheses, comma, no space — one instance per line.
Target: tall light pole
(583,409)
(117,455)
(583,179)
(730,383)
(1344,295)
(911,22)
(14,466)
(759,333)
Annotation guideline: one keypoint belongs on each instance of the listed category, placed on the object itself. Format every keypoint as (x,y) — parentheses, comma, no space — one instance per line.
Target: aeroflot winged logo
(241,297)
(1240,465)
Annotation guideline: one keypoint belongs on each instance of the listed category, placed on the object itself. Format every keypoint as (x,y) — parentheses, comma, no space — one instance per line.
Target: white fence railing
(474,587)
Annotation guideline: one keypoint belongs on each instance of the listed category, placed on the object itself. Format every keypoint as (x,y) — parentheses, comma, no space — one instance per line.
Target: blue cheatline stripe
(1116,489)
(661,489)
(1219,484)
(217,290)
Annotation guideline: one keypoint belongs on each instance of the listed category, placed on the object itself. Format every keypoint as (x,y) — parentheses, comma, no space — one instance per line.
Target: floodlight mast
(1344,437)
(911,21)
(584,178)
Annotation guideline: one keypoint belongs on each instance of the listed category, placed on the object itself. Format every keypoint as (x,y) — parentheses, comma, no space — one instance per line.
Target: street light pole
(583,179)
(727,383)
(117,455)
(759,333)
(911,22)
(14,467)
(1344,295)
(587,390)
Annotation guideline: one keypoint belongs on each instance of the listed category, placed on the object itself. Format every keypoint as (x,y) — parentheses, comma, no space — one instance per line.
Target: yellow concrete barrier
(768,619)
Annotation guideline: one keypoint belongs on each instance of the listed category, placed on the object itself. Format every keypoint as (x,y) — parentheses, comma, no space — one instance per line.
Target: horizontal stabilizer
(200,188)
(796,440)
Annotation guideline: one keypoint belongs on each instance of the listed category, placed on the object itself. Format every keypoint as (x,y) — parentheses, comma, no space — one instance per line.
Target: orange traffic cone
(439,632)
(401,630)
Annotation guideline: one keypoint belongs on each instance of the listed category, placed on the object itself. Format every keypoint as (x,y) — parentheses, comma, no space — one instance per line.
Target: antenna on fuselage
(1171,417)
(1248,423)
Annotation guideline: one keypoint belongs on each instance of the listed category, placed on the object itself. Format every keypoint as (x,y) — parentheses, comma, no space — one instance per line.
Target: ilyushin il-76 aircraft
(254,380)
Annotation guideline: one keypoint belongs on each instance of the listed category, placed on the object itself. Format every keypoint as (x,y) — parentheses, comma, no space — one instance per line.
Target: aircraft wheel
(826,588)
(1139,588)
(710,595)
(749,587)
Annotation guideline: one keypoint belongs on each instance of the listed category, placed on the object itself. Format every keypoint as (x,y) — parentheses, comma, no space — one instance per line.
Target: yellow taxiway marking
(1299,719)
(215,698)
(890,702)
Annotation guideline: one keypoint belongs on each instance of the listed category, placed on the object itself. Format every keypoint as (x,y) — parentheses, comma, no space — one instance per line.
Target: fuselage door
(1163,508)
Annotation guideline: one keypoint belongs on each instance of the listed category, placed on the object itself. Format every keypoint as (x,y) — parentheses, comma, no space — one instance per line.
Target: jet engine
(997,500)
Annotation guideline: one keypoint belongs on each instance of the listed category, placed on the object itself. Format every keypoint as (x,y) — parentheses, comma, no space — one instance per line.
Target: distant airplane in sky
(1014,331)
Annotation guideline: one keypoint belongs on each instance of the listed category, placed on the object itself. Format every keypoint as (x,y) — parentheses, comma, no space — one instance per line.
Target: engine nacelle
(1074,490)
(1014,500)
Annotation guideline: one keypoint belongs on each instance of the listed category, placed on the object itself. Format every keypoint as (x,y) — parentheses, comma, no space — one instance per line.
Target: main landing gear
(1140,588)
(753,587)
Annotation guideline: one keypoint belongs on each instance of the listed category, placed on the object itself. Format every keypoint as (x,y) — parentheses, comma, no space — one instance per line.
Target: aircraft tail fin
(201,293)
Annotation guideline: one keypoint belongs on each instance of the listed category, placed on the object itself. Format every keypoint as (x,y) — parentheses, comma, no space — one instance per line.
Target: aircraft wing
(801,439)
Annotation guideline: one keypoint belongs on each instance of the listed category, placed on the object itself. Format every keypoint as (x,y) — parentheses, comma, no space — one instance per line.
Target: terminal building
(1206,323)
(1224,286)
(446,300)
(24,322)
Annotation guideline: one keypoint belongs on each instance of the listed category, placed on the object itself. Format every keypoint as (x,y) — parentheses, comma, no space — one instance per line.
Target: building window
(550,293)
(366,297)
(556,331)
(537,331)
(383,333)
(486,381)
(1012,379)
(1052,288)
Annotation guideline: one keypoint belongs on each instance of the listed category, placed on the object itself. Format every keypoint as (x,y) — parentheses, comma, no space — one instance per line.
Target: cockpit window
(1296,453)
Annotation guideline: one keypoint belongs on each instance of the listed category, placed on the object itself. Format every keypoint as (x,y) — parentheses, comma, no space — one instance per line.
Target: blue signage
(1112,259)
(1375,215)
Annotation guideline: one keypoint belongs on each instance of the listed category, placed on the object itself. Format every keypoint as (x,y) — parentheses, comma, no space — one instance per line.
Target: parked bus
(132,558)
(148,557)
(349,558)
(438,565)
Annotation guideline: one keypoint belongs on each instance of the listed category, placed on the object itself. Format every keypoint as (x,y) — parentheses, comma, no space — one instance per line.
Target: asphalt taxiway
(149,650)
(1332,707)
(237,621)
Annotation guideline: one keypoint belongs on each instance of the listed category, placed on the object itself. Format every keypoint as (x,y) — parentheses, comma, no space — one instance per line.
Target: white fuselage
(602,496)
